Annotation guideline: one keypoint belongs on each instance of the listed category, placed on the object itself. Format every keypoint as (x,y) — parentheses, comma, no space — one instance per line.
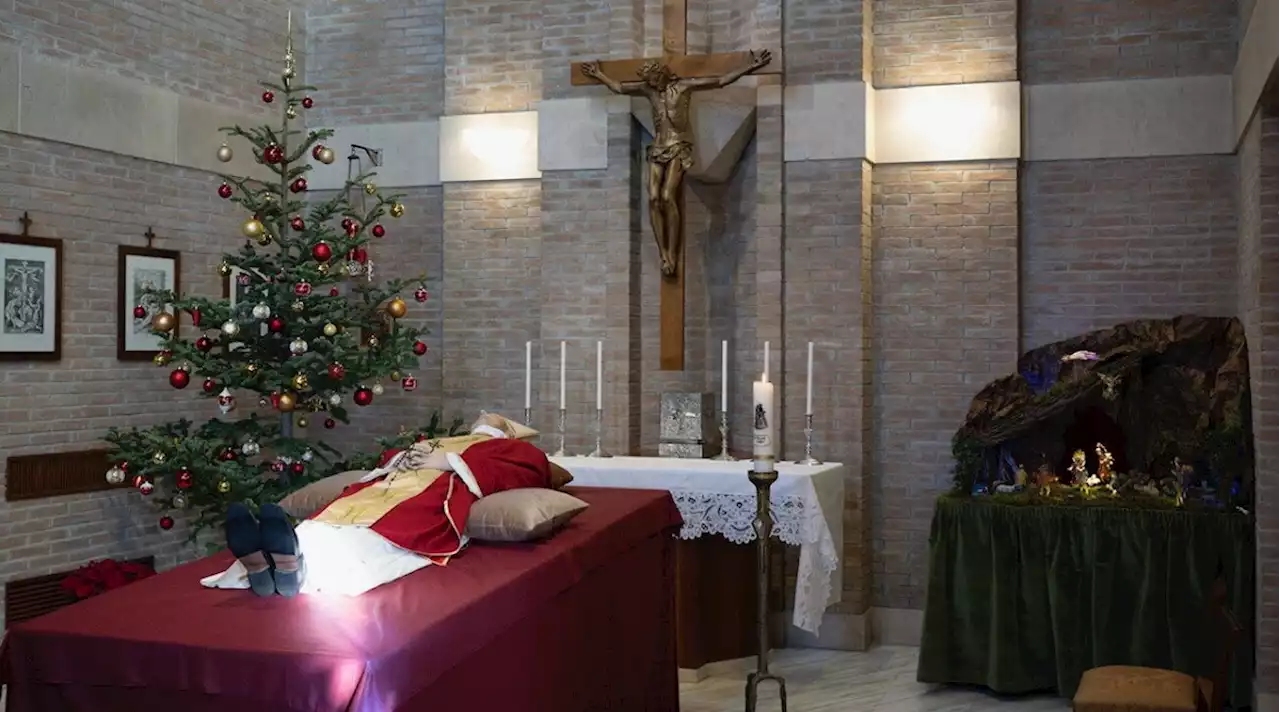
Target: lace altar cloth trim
(795,522)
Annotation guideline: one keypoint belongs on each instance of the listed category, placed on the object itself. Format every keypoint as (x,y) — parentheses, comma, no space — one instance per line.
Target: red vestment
(430,520)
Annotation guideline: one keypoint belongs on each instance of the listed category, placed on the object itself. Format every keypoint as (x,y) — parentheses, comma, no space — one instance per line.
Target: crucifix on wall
(668,83)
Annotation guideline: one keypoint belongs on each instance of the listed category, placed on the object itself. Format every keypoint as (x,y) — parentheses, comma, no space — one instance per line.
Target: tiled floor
(881,680)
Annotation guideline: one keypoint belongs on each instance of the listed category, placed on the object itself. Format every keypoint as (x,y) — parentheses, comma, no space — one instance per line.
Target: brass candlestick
(763,526)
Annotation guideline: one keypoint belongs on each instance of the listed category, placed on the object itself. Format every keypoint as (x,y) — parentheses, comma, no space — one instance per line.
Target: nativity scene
(676,356)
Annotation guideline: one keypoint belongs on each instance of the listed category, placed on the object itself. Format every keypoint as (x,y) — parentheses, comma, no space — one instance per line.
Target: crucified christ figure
(670,155)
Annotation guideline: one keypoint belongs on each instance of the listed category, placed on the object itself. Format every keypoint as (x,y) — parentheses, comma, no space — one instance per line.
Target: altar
(716,498)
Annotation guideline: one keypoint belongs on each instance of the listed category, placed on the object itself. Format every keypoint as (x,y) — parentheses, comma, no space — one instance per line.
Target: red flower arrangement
(98,577)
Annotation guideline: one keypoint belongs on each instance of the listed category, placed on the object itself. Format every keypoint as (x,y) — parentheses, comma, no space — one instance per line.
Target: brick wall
(95,201)
(826,41)
(921,42)
(1064,42)
(1112,240)
(945,286)
(208,49)
(493,53)
(827,295)
(1258,310)
(376,61)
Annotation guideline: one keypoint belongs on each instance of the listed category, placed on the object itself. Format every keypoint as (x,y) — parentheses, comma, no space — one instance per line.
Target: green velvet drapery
(1026,598)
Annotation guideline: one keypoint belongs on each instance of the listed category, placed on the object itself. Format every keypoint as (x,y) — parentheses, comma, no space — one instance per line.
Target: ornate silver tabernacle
(688,427)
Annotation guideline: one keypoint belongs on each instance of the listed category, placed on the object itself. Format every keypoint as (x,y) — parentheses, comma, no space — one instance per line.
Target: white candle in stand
(599,375)
(724,376)
(528,375)
(808,391)
(762,424)
(766,361)
(562,400)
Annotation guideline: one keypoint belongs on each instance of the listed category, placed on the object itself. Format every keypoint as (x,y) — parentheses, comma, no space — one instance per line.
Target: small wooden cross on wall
(150,235)
(685,66)
(25,221)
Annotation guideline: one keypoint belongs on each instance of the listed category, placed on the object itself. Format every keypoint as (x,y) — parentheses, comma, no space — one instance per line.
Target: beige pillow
(520,430)
(309,499)
(522,514)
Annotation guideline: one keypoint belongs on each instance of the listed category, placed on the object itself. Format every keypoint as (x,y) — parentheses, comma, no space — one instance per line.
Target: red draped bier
(431,521)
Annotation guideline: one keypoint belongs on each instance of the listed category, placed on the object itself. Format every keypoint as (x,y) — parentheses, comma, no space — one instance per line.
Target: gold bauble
(370,188)
(323,268)
(302,422)
(395,375)
(373,341)
(161,358)
(163,322)
(252,228)
(224,153)
(264,239)
(158,458)
(330,329)
(224,486)
(298,305)
(287,403)
(300,381)
(291,112)
(326,155)
(224,269)
(397,210)
(251,368)
(397,308)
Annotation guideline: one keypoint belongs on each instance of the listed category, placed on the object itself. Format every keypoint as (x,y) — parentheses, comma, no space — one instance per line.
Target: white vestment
(348,559)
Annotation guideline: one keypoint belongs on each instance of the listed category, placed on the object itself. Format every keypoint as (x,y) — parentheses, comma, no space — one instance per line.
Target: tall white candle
(562,400)
(599,375)
(808,391)
(766,361)
(724,376)
(528,375)
(762,424)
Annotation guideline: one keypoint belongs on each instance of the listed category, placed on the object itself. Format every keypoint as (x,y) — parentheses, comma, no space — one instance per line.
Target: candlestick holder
(528,416)
(599,451)
(763,527)
(809,459)
(724,437)
(560,421)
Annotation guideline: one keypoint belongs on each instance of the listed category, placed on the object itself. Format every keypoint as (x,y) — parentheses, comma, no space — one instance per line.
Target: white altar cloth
(715,497)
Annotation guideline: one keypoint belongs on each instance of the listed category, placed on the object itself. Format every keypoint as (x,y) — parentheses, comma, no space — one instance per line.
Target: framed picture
(141,269)
(31,307)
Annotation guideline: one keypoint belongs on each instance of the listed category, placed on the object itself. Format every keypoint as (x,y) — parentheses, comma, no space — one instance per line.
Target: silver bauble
(335,399)
(225,153)
(298,346)
(261,311)
(230,328)
(115,476)
(249,448)
(377,389)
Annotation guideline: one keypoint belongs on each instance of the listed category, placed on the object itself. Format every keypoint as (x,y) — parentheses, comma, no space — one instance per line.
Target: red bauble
(302,289)
(297,224)
(204,343)
(224,191)
(268,97)
(409,383)
(421,294)
(209,385)
(419,348)
(379,231)
(273,154)
(228,455)
(337,371)
(333,291)
(278,466)
(322,252)
(316,150)
(360,255)
(299,185)
(276,325)
(166,523)
(330,423)
(125,465)
(347,223)
(298,468)
(184,478)
(353,228)
(195,317)
(139,312)
(179,378)
(362,396)
(308,102)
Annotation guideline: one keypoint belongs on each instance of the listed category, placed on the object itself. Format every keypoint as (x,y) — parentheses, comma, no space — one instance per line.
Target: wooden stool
(1120,688)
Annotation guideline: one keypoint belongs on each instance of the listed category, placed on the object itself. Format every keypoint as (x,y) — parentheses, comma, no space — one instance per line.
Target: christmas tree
(306,329)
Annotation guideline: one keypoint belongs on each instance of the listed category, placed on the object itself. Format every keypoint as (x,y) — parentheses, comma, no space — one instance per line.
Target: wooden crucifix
(668,83)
